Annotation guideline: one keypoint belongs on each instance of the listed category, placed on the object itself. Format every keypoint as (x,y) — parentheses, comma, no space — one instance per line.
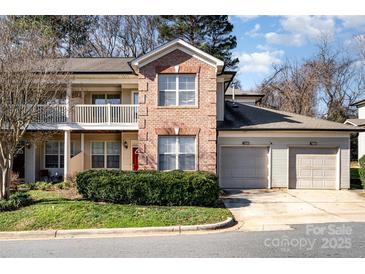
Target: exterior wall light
(246,143)
(313,143)
(125,144)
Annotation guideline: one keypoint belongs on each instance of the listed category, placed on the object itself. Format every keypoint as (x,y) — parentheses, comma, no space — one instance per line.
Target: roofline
(353,124)
(98,72)
(291,129)
(247,95)
(136,63)
(359,103)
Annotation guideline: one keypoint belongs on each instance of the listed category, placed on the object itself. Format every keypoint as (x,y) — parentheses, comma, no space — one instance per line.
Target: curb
(51,234)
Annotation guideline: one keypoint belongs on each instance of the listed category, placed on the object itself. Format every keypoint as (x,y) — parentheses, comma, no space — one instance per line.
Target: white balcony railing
(88,114)
(105,114)
(51,114)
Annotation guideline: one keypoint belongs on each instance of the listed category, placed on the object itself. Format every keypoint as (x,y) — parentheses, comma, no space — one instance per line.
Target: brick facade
(157,120)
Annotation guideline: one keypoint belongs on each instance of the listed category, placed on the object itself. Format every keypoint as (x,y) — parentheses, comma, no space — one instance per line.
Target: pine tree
(212,34)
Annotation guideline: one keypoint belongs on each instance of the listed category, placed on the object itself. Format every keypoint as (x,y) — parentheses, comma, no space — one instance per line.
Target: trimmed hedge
(149,187)
(15,201)
(362,170)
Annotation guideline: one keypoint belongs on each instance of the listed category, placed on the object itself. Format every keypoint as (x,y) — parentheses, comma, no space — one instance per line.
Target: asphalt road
(319,240)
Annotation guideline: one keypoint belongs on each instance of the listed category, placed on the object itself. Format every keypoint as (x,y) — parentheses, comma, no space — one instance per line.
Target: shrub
(362,170)
(64,185)
(149,187)
(15,201)
(43,186)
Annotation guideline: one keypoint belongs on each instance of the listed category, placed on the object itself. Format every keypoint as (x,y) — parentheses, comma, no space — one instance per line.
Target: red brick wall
(156,120)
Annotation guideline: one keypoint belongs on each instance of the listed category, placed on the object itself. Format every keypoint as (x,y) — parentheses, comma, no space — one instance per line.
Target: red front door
(135,158)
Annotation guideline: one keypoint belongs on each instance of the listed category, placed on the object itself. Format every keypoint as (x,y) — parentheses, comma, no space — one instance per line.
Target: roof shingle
(247,117)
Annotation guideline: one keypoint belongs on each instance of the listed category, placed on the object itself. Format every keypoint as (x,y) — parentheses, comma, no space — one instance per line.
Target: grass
(60,210)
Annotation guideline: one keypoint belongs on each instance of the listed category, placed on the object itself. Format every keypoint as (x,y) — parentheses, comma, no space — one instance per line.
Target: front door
(18,165)
(135,158)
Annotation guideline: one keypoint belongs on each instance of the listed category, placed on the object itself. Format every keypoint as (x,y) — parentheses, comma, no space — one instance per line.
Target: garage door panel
(244,167)
(312,168)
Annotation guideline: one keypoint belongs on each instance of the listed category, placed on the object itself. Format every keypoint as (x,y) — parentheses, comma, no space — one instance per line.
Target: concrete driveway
(278,209)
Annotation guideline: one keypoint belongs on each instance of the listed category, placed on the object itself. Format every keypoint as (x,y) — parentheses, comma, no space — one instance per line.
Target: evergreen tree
(212,34)
(72,32)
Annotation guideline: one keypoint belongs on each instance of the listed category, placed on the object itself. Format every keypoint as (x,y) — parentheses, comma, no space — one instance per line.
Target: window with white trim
(177,89)
(105,154)
(53,154)
(176,152)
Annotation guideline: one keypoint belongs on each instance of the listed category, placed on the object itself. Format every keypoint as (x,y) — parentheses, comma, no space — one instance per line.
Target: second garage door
(244,167)
(312,168)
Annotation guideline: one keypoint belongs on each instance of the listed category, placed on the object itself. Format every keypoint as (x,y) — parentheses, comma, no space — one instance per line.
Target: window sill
(177,107)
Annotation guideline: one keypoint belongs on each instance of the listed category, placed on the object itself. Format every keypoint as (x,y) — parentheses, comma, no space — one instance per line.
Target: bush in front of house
(194,188)
(15,201)
(362,170)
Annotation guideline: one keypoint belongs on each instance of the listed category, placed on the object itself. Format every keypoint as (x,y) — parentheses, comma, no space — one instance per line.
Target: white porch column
(29,163)
(68,102)
(67,155)
(82,151)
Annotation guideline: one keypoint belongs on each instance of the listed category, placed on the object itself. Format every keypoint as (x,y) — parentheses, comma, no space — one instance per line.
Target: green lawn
(57,210)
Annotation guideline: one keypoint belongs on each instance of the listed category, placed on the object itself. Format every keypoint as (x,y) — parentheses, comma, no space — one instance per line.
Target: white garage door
(312,168)
(244,167)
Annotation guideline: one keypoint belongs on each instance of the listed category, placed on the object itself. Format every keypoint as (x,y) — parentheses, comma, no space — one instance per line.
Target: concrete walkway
(258,210)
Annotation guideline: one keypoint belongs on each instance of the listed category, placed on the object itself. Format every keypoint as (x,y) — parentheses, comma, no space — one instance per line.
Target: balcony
(88,116)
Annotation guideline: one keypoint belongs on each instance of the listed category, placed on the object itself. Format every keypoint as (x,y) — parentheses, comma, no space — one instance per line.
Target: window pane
(98,148)
(51,147)
(135,98)
(98,99)
(187,145)
(167,162)
(187,82)
(97,161)
(62,148)
(113,99)
(167,98)
(186,98)
(167,82)
(187,161)
(167,145)
(62,159)
(112,161)
(113,148)
(51,161)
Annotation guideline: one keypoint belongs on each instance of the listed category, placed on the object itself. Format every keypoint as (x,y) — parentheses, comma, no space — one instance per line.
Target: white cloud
(309,26)
(353,21)
(254,31)
(260,62)
(263,47)
(285,39)
(246,18)
(296,30)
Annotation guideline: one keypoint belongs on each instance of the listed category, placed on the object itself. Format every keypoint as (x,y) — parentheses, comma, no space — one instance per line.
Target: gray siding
(279,159)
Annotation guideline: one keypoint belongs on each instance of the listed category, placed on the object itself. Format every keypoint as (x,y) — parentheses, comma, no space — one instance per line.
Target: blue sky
(266,40)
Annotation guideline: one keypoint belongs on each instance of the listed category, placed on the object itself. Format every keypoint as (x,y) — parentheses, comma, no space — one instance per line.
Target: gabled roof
(173,45)
(93,65)
(247,117)
(356,122)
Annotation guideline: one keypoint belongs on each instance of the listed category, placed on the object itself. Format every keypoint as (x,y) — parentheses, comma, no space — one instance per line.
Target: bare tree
(339,85)
(29,77)
(291,88)
(123,36)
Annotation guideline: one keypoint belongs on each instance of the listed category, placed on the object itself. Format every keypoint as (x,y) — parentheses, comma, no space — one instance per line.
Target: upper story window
(103,99)
(177,89)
